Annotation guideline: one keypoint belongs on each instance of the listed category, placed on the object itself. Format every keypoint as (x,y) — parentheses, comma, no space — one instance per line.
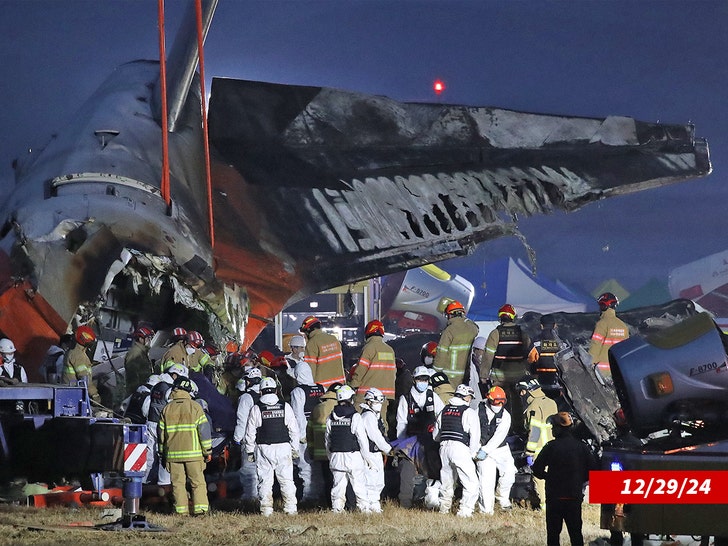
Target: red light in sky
(438,86)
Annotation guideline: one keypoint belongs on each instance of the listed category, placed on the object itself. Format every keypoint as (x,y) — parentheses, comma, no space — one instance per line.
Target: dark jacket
(564,463)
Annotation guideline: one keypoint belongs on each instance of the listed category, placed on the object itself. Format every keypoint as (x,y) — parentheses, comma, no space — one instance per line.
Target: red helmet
(179,334)
(496,396)
(279,362)
(507,311)
(428,349)
(607,300)
(266,358)
(142,332)
(195,338)
(374,328)
(454,308)
(85,335)
(309,323)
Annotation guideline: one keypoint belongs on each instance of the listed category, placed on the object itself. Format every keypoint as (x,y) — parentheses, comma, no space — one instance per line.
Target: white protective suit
(273,459)
(348,467)
(500,459)
(309,471)
(374,463)
(457,461)
(247,472)
(413,486)
(153,462)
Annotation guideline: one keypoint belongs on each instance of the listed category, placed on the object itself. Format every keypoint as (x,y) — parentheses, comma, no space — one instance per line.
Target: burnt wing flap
(343,186)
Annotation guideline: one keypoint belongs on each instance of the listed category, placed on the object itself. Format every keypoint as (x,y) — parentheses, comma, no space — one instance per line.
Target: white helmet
(267,384)
(464,390)
(421,371)
(297,341)
(195,389)
(179,369)
(374,395)
(253,373)
(6,346)
(345,392)
(153,380)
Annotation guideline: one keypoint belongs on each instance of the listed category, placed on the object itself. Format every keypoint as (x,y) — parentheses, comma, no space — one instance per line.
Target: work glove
(529,460)
(208,457)
(481,455)
(251,457)
(294,454)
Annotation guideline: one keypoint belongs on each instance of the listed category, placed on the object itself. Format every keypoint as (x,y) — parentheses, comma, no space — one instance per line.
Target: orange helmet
(374,328)
(454,308)
(496,396)
(85,335)
(195,338)
(309,323)
(507,311)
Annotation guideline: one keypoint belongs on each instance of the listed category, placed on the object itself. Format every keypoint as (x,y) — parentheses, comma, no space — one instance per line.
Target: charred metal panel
(346,186)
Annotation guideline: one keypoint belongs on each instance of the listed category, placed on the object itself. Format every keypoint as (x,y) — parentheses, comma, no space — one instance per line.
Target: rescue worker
(159,397)
(346,445)
(10,369)
(494,454)
(564,463)
(250,385)
(185,446)
(608,331)
(416,414)
(271,442)
(234,364)
(296,355)
(177,352)
(371,417)
(316,433)
(137,365)
(304,398)
(323,353)
(53,362)
(136,407)
(442,387)
(198,359)
(458,430)
(537,409)
(543,353)
(77,364)
(455,342)
(505,359)
(427,355)
(376,367)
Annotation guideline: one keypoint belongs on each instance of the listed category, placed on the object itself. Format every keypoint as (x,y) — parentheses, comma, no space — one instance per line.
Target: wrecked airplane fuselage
(312,188)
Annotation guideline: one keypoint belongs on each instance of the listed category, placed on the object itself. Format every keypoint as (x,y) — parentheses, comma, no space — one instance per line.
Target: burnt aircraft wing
(316,187)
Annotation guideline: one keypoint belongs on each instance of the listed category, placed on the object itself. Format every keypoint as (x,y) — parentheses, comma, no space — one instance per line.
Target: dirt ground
(231,525)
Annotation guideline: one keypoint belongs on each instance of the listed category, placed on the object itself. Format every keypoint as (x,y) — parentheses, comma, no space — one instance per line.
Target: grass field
(396,526)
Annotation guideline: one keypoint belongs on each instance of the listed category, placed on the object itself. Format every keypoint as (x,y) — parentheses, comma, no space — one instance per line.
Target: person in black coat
(564,463)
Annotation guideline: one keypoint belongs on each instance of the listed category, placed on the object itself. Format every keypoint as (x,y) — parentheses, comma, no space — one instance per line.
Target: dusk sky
(652,60)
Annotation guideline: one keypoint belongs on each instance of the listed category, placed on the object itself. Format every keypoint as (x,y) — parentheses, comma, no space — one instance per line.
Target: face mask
(190,350)
(8,359)
(421,385)
(298,354)
(429,360)
(376,406)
